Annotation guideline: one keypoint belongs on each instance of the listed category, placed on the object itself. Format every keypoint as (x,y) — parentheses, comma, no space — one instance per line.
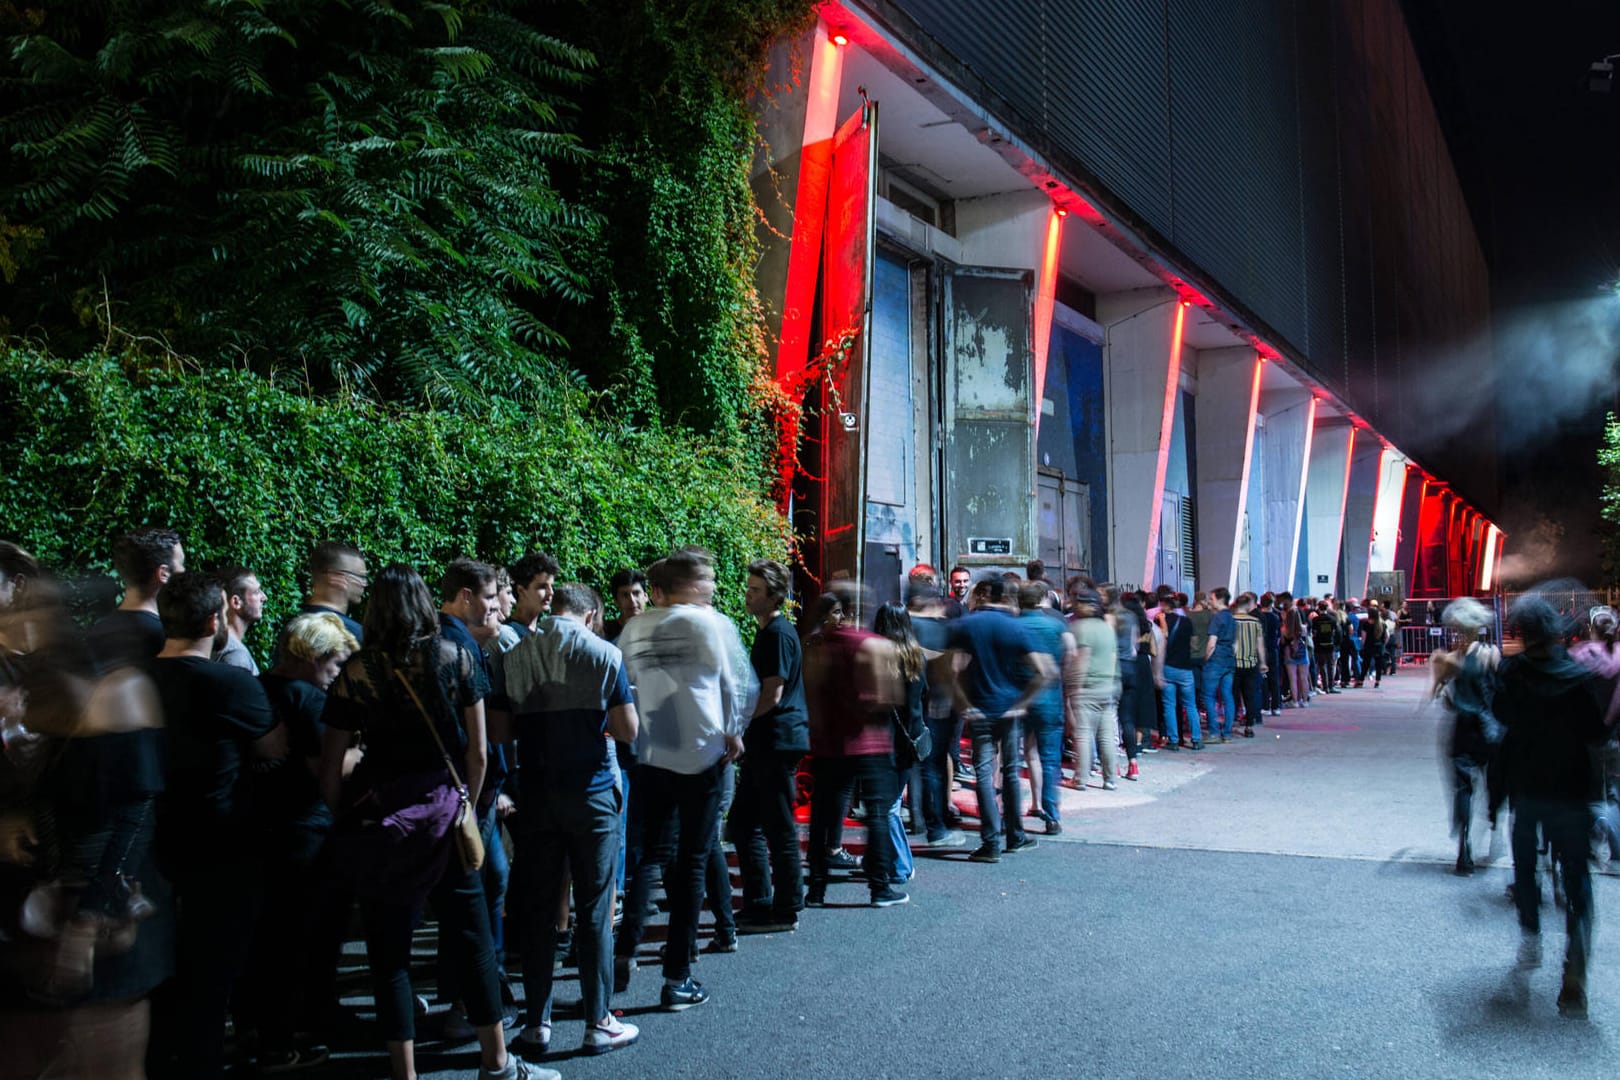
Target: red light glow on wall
(1167,420)
(1248,461)
(1045,298)
(809,206)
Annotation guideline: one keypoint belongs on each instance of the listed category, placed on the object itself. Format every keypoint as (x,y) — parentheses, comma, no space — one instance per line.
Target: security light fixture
(840,38)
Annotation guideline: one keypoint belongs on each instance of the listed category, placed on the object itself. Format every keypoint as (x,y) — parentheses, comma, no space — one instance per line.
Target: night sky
(1538,154)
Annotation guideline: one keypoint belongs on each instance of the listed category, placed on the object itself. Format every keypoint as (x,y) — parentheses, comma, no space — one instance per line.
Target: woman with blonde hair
(1461,678)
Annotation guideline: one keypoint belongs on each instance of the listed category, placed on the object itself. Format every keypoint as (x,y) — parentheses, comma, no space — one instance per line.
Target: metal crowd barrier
(1417,642)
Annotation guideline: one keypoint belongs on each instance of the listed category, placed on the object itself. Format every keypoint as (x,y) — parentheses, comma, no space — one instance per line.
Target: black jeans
(562,836)
(766,835)
(1271,681)
(458,901)
(1568,829)
(836,780)
(218,907)
(988,736)
(660,796)
(717,876)
(1247,681)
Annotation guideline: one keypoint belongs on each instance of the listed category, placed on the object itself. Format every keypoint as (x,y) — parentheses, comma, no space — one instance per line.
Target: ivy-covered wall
(434,276)
(253,473)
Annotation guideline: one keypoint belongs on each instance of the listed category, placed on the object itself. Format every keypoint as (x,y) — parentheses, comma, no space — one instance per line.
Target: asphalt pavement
(1275,907)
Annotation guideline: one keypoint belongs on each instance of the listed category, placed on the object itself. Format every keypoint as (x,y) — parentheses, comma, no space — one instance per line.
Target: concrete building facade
(1105,307)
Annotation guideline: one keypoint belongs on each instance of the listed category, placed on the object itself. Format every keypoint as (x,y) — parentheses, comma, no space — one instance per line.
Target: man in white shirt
(695,691)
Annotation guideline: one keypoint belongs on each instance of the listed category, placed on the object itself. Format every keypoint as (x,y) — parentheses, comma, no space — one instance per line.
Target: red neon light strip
(1167,420)
(810,205)
(1045,298)
(1304,477)
(1248,459)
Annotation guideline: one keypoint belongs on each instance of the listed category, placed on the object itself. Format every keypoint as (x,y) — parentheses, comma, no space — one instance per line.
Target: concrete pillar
(1359,505)
(1326,485)
(1290,421)
(1228,399)
(1142,368)
(1386,526)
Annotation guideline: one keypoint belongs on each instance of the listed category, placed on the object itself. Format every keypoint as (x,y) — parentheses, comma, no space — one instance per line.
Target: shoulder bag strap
(428,720)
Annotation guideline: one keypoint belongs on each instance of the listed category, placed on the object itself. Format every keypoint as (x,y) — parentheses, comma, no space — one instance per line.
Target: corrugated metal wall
(1286,150)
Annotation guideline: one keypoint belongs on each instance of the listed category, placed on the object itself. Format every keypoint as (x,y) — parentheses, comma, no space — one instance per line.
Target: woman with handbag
(912,740)
(405,830)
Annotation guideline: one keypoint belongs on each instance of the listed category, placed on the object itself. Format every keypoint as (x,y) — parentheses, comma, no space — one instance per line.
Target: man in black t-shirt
(145,560)
(777,736)
(217,721)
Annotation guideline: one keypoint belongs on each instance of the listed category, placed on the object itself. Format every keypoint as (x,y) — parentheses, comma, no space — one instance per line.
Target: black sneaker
(724,941)
(815,896)
(684,996)
(1021,845)
(986,853)
(889,896)
(286,1061)
(842,860)
(766,922)
(1053,826)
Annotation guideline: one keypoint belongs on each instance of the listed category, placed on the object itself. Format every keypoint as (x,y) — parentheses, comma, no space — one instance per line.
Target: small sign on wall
(990,545)
(1321,579)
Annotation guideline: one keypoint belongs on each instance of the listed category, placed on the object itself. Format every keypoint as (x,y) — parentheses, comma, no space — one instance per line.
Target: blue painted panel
(1087,420)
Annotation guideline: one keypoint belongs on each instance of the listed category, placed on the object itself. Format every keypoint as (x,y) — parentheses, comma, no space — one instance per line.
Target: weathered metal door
(1168,566)
(846,304)
(1063,524)
(989,416)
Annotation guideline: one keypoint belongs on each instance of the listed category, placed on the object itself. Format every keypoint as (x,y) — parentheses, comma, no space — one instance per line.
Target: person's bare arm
(1045,670)
(476,761)
(770,695)
(334,747)
(622,723)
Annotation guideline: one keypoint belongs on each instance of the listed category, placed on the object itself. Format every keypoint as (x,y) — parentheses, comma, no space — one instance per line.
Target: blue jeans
(988,737)
(1178,688)
(1046,726)
(903,866)
(936,789)
(1218,684)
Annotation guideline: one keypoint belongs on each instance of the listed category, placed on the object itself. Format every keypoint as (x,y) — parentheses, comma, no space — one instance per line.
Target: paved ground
(1277,907)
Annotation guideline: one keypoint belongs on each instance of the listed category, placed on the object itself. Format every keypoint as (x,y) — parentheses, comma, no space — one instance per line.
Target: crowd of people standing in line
(185,840)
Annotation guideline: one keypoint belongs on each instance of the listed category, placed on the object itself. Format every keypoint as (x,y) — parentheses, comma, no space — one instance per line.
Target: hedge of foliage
(255,473)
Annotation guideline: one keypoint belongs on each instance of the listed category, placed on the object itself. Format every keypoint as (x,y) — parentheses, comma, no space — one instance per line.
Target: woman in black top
(403,768)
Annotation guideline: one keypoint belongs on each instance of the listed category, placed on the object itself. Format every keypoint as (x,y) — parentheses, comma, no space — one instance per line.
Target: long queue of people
(185,840)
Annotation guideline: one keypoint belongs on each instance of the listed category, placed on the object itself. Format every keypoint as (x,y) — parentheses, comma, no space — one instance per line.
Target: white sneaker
(609,1033)
(1530,950)
(533,1041)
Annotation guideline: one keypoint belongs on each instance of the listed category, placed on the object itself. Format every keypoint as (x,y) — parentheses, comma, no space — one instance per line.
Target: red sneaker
(1133,773)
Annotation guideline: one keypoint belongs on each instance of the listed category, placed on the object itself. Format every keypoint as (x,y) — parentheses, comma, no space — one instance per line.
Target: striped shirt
(1246,641)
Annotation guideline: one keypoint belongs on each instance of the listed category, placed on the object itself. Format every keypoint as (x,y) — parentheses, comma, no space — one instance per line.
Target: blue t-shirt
(1047,630)
(997,642)
(561,681)
(454,630)
(1223,628)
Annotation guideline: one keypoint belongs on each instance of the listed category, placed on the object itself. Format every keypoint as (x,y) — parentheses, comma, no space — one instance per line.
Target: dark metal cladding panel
(998,40)
(1109,72)
(1210,141)
(1275,243)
